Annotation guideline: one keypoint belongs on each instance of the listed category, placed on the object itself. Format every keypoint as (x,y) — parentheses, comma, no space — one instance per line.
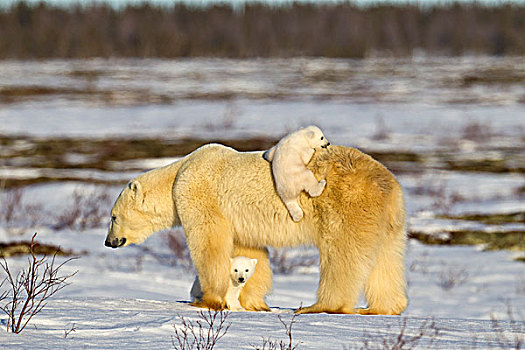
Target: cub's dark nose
(324,146)
(115,242)
(241,279)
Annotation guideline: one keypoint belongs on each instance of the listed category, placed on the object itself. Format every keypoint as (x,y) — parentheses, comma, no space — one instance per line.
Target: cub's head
(134,216)
(242,268)
(314,136)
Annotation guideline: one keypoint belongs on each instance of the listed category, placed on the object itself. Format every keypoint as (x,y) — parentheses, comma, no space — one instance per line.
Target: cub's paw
(295,210)
(297,216)
(316,192)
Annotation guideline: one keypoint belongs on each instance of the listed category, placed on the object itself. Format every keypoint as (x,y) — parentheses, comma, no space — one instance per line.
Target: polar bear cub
(289,159)
(242,268)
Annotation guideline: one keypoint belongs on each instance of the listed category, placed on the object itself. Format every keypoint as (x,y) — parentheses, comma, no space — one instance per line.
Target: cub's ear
(254,262)
(310,134)
(231,260)
(136,190)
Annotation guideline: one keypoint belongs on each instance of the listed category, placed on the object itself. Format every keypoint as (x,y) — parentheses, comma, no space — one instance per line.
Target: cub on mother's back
(289,159)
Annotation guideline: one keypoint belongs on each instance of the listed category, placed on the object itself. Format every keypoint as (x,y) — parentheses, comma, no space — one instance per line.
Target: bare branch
(31,288)
(281,345)
(203,334)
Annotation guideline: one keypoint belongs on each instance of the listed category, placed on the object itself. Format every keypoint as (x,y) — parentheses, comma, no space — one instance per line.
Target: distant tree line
(259,30)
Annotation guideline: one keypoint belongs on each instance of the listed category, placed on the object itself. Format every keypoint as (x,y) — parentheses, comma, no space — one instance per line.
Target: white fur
(242,268)
(289,159)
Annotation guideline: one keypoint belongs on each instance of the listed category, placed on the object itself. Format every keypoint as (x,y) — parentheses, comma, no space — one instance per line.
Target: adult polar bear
(227,205)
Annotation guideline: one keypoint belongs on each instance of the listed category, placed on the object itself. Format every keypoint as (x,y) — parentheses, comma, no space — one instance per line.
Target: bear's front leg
(211,246)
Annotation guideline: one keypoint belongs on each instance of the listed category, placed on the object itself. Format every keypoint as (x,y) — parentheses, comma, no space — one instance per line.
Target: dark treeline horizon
(258,30)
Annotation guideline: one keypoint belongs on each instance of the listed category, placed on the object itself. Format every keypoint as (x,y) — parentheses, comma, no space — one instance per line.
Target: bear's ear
(136,190)
(254,262)
(310,134)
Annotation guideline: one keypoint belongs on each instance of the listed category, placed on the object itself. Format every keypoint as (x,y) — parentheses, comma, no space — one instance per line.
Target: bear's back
(240,185)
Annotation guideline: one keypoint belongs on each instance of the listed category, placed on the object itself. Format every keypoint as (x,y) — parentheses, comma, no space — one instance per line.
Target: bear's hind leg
(345,265)
(260,284)
(385,289)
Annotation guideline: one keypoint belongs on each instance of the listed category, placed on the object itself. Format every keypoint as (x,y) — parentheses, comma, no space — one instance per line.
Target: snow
(127,298)
(139,324)
(130,298)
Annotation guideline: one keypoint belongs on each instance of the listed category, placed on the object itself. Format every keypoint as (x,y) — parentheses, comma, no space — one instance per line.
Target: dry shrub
(508,334)
(475,131)
(382,132)
(520,285)
(401,340)
(420,265)
(281,261)
(269,344)
(202,334)
(15,214)
(229,116)
(10,204)
(179,253)
(68,331)
(452,277)
(27,292)
(177,244)
(87,210)
(437,190)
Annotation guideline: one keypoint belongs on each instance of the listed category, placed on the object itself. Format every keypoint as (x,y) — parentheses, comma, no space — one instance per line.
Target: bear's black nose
(115,243)
(241,279)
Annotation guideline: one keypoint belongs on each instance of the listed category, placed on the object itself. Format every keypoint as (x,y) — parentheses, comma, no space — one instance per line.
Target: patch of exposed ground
(489,76)
(17,94)
(103,154)
(490,219)
(512,240)
(22,248)
(493,239)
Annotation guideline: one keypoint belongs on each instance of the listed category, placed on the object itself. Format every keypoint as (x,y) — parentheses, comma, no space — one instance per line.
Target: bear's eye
(113,218)
(235,270)
(246,270)
(322,137)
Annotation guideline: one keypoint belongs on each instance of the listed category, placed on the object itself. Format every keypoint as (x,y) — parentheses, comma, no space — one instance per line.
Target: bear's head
(315,137)
(242,268)
(133,218)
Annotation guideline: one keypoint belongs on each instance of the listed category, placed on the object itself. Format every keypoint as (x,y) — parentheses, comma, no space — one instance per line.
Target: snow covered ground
(130,298)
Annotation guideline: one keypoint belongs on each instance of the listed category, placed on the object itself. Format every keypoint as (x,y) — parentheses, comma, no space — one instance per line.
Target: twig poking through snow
(203,334)
(269,344)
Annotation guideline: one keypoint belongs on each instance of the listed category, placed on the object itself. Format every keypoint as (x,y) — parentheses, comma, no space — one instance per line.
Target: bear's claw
(210,304)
